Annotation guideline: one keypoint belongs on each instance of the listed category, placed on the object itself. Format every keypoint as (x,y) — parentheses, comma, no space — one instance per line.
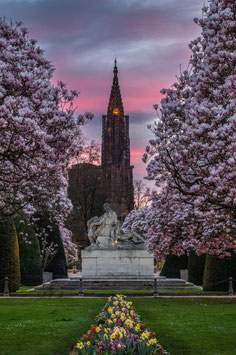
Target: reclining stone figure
(107,226)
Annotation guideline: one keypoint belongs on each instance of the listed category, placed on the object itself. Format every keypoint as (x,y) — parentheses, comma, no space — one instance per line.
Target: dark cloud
(98,23)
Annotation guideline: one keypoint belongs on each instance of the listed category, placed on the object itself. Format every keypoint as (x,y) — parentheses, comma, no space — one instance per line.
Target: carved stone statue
(105,231)
(121,235)
(91,224)
(99,228)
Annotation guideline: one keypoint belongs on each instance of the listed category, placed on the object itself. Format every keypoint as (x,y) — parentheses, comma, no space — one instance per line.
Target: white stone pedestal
(117,264)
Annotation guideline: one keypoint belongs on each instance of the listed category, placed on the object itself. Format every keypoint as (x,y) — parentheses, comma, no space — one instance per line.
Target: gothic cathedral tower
(117,174)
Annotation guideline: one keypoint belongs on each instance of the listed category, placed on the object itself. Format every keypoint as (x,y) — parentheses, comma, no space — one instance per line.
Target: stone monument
(115,256)
(115,260)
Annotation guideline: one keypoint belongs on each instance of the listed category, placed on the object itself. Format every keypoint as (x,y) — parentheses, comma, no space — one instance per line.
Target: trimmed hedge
(58,264)
(173,265)
(30,262)
(9,255)
(196,266)
(217,270)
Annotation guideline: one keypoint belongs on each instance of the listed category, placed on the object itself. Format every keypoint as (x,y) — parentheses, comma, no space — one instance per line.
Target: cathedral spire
(117,175)
(115,102)
(115,70)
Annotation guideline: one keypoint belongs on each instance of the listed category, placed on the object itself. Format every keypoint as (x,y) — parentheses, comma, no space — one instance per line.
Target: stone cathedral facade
(117,173)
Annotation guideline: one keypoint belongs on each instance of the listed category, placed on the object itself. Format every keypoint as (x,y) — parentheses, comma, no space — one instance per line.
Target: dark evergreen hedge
(196,266)
(58,265)
(217,270)
(9,255)
(173,265)
(30,262)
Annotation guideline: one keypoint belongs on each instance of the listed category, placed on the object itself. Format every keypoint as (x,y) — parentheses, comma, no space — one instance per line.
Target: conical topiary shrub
(30,261)
(218,270)
(173,265)
(196,266)
(9,255)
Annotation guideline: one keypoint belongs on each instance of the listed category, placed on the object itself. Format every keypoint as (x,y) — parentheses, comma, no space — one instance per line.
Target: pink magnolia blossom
(69,246)
(193,152)
(135,221)
(37,128)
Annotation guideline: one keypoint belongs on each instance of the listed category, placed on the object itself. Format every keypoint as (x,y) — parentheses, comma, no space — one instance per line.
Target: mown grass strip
(53,326)
(188,326)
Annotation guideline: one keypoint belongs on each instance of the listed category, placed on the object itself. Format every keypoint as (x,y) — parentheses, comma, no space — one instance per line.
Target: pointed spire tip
(115,71)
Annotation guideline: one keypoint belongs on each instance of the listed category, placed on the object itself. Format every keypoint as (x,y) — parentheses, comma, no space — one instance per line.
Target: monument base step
(121,284)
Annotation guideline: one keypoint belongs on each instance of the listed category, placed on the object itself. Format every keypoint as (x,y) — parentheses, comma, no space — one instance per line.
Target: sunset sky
(149,38)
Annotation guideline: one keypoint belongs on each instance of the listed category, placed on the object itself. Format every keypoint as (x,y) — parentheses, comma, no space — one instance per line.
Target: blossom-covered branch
(37,127)
(193,152)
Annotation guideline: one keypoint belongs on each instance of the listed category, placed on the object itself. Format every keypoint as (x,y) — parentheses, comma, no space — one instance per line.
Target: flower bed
(117,329)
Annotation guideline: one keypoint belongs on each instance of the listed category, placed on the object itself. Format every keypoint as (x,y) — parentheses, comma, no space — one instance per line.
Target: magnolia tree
(37,128)
(135,221)
(69,246)
(47,252)
(173,227)
(193,152)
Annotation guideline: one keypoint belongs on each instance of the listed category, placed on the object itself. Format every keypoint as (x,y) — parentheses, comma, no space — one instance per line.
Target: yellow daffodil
(80,345)
(145,335)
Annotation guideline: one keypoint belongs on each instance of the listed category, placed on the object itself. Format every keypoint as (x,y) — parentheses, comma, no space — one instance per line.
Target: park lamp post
(6,286)
(231,291)
(81,293)
(155,292)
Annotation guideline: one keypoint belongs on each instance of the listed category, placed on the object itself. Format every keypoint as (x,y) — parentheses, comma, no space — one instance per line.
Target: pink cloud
(81,39)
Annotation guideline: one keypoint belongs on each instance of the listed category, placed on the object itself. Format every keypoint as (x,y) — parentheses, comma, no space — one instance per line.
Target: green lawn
(26,290)
(44,326)
(192,326)
(52,326)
